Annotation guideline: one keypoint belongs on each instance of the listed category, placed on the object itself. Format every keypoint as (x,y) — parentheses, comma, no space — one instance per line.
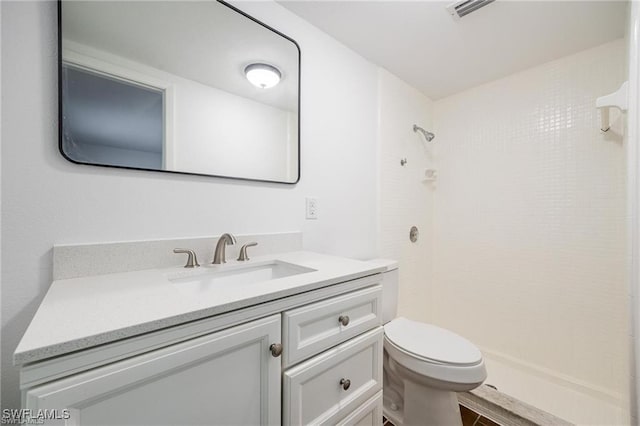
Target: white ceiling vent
(465,7)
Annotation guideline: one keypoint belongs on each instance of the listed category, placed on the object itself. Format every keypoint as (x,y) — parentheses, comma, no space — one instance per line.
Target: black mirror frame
(61,112)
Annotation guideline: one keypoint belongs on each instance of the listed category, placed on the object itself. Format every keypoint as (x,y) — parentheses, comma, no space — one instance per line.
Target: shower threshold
(505,410)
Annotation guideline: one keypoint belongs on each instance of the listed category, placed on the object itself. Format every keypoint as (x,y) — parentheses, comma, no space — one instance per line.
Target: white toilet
(424,365)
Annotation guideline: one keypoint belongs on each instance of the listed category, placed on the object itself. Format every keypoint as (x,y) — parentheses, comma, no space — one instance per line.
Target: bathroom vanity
(286,339)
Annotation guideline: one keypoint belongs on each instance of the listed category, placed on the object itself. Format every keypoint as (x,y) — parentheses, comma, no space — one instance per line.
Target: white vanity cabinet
(227,378)
(224,370)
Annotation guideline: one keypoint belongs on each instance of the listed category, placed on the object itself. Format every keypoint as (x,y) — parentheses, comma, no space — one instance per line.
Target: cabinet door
(227,378)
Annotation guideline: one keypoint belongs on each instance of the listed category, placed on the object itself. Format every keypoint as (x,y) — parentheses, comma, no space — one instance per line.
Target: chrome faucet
(219,256)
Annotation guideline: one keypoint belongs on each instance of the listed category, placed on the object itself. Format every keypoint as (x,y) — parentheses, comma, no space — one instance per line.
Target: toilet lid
(431,343)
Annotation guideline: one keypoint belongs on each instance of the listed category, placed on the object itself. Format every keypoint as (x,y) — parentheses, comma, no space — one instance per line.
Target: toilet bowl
(424,365)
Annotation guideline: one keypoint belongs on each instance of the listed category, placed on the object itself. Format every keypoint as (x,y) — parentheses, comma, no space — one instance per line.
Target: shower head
(427,135)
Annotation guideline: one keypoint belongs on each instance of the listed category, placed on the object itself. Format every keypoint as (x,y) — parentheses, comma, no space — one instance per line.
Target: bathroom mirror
(194,87)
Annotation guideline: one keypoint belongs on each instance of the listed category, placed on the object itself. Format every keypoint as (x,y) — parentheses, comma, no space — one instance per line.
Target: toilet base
(428,406)
(425,407)
(407,403)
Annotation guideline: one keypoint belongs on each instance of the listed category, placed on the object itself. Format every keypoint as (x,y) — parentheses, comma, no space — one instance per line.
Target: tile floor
(469,418)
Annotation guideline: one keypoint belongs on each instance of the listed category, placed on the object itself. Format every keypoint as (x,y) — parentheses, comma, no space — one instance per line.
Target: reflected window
(111,121)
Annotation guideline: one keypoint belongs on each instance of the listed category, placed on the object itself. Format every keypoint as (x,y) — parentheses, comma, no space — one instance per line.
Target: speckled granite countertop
(80,313)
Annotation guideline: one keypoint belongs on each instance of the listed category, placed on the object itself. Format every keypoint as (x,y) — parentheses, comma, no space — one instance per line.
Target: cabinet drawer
(368,414)
(313,393)
(311,329)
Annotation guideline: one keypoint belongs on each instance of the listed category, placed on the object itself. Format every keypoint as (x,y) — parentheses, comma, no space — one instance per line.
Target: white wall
(225,134)
(633,194)
(530,231)
(47,200)
(1,316)
(405,199)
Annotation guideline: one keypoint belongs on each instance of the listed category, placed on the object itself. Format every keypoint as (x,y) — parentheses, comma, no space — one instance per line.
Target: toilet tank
(390,284)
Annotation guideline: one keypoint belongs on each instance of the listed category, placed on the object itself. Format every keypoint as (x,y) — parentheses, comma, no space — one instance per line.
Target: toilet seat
(431,343)
(434,352)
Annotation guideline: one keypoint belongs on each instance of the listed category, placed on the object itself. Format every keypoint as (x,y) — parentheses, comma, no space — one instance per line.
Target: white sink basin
(235,275)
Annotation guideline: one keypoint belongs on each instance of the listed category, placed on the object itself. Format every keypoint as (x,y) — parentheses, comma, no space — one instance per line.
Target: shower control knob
(344,320)
(276,349)
(413,234)
(346,383)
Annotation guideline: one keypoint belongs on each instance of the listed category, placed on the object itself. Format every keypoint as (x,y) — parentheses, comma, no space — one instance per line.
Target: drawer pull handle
(344,320)
(276,349)
(346,383)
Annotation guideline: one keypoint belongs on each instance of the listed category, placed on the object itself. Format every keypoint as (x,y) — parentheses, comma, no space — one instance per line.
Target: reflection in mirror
(190,87)
(117,122)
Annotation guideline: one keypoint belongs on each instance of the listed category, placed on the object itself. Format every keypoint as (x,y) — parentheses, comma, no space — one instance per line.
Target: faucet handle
(243,251)
(192,260)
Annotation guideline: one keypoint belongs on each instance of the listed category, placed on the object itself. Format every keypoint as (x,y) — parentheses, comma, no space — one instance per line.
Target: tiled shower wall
(405,200)
(529,223)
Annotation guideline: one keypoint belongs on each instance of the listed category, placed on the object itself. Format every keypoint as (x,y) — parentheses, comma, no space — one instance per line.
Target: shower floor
(574,402)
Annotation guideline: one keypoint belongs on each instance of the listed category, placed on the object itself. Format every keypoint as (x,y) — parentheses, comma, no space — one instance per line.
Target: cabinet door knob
(344,320)
(346,383)
(276,349)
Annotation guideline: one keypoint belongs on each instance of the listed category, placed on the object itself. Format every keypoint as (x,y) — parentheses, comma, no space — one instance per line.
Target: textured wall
(530,222)
(405,200)
(47,200)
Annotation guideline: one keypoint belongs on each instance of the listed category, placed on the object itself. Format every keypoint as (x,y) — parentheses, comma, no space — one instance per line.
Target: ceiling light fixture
(262,75)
